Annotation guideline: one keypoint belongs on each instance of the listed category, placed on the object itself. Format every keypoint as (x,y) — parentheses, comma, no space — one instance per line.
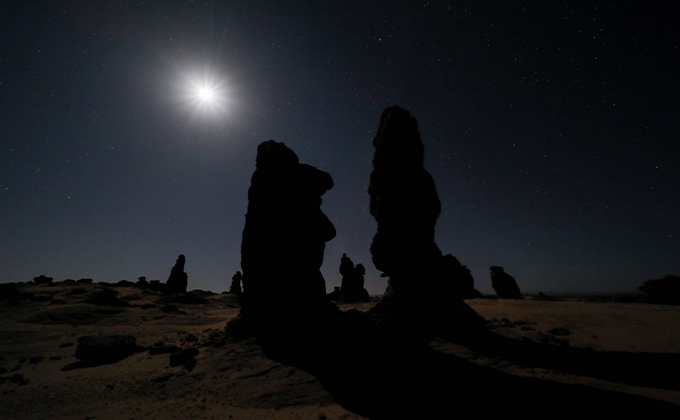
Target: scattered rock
(559,331)
(77,291)
(549,339)
(163,378)
(162,348)
(184,357)
(18,379)
(188,298)
(107,297)
(172,308)
(125,283)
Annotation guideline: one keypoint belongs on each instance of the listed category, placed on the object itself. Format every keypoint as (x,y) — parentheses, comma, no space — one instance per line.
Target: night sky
(550,128)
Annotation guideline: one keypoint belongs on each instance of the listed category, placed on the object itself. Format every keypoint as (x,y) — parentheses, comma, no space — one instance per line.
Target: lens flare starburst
(203,93)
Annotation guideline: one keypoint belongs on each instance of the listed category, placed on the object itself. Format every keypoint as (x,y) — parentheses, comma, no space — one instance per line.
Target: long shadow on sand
(655,370)
(379,374)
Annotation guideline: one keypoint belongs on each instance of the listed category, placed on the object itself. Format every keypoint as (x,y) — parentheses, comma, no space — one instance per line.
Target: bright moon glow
(206,94)
(203,93)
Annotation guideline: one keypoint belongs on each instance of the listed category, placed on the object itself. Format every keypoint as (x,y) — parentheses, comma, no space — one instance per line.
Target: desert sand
(620,349)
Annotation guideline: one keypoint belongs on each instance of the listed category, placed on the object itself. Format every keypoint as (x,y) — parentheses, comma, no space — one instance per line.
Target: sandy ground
(38,338)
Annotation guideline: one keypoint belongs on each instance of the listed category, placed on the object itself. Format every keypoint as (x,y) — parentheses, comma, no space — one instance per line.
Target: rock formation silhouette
(352,288)
(283,242)
(464,283)
(284,307)
(346,266)
(177,282)
(236,283)
(405,204)
(665,290)
(142,283)
(157,285)
(504,284)
(42,279)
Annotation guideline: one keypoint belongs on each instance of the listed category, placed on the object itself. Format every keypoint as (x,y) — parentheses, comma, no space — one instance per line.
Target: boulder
(100,349)
(184,357)
(125,283)
(107,297)
(157,286)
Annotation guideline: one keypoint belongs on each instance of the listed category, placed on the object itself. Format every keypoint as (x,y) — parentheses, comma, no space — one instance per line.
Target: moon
(206,94)
(203,93)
